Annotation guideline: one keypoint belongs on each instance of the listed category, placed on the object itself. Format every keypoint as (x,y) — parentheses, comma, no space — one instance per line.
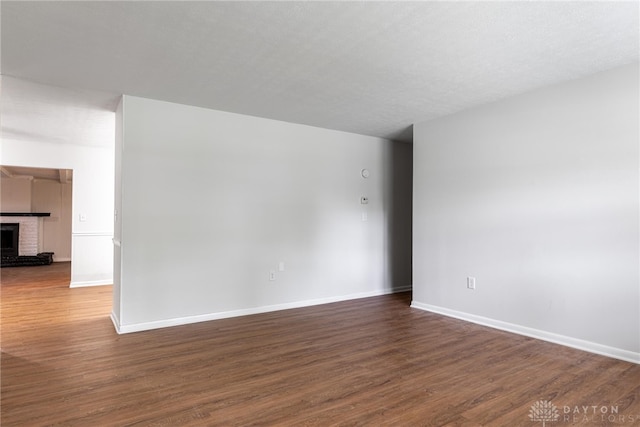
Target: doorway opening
(36,215)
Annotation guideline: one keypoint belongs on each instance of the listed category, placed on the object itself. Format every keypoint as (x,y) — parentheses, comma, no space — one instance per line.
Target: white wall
(55,198)
(536,196)
(212,201)
(117,228)
(42,195)
(15,195)
(92,162)
(91,257)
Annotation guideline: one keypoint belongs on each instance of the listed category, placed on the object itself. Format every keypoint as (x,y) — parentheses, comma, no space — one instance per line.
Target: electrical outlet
(471,283)
(272,275)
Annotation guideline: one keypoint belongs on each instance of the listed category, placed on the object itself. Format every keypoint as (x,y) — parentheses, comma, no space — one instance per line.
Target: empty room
(320,213)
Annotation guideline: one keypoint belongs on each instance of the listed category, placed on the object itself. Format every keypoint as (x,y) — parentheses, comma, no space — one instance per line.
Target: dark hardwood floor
(369,362)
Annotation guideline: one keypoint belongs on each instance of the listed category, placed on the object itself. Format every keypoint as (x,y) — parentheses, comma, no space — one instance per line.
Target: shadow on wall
(399,230)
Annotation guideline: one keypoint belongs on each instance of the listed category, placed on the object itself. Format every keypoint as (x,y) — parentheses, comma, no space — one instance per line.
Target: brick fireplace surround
(30,230)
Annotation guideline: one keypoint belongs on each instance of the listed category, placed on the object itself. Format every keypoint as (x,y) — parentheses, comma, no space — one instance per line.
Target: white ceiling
(363,67)
(36,112)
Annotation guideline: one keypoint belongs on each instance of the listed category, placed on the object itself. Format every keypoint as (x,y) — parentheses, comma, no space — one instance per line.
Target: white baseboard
(165,323)
(116,321)
(603,350)
(91,283)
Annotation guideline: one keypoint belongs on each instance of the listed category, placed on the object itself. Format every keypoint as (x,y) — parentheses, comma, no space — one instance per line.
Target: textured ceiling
(36,112)
(363,67)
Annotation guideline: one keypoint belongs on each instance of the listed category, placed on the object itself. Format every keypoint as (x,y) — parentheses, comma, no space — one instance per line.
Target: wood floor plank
(368,362)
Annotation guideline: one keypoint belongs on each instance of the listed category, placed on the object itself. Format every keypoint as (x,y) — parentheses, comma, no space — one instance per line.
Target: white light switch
(83,217)
(471,283)
(281,266)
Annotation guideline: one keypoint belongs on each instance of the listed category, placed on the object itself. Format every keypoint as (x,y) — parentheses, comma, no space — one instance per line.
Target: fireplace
(21,239)
(9,239)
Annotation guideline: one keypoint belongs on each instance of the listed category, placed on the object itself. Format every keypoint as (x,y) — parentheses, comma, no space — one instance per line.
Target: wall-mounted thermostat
(365,173)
